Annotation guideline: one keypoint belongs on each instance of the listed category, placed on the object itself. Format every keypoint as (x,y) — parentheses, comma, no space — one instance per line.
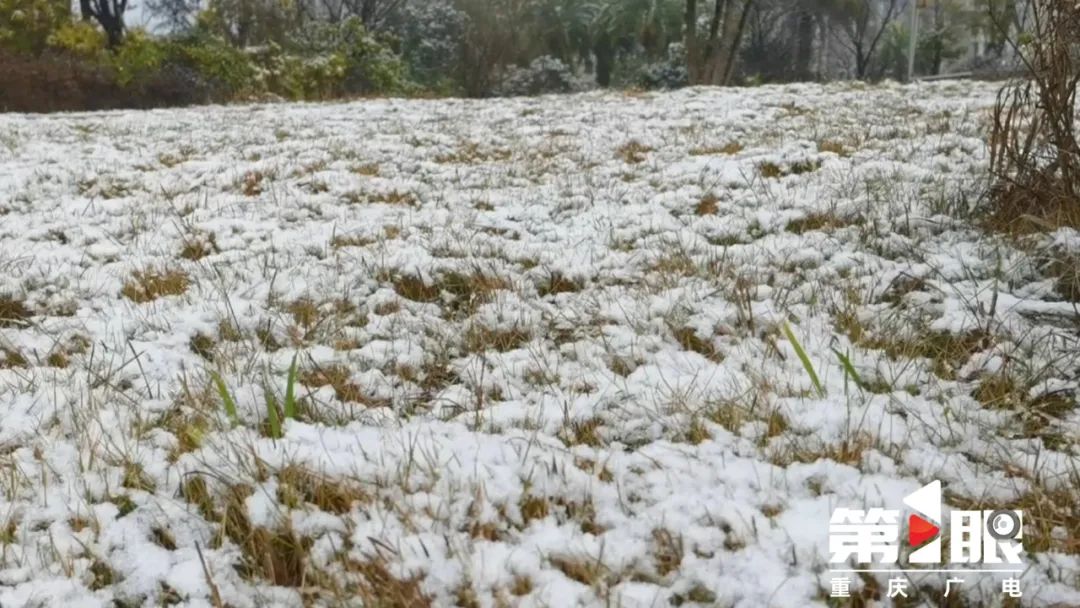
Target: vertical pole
(913,37)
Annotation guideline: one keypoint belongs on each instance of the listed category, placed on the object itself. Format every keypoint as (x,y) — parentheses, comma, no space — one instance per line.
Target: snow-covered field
(541,350)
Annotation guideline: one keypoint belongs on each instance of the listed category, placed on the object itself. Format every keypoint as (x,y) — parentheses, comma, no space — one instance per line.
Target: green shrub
(79,38)
(138,58)
(298,77)
(25,25)
(228,70)
(368,63)
(319,77)
(372,67)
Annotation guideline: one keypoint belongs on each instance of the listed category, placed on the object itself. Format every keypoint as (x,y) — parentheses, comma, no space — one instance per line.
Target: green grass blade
(272,414)
(290,391)
(807,365)
(226,398)
(849,368)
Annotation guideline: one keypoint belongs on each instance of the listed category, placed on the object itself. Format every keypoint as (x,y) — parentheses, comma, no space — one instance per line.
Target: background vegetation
(223,50)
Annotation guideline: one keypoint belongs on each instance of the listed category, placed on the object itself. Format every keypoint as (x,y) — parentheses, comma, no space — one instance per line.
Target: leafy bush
(430,35)
(544,75)
(138,58)
(79,38)
(228,72)
(25,25)
(366,62)
(668,74)
(297,77)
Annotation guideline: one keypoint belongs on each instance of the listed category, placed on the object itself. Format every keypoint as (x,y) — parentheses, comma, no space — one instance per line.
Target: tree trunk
(367,14)
(114,31)
(605,59)
(110,16)
(714,62)
(693,46)
(804,46)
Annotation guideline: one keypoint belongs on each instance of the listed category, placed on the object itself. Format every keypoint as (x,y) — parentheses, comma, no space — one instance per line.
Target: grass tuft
(339,378)
(707,205)
(298,486)
(479,339)
(728,149)
(13,312)
(149,285)
(632,152)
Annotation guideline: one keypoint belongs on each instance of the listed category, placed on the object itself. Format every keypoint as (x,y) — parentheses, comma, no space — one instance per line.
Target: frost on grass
(542,357)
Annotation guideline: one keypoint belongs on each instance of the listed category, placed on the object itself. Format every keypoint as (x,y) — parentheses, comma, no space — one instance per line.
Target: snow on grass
(541,349)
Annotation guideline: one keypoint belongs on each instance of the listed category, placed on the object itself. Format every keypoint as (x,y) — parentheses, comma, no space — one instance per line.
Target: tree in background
(711,52)
(634,31)
(248,22)
(429,38)
(109,14)
(769,52)
(862,25)
(315,49)
(25,25)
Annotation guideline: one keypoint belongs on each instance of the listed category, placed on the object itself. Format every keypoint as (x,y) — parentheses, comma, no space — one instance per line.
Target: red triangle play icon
(920,530)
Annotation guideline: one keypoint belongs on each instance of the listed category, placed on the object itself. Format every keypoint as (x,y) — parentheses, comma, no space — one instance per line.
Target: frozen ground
(541,350)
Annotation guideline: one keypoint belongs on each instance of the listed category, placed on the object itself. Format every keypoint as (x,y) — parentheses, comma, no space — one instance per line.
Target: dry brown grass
(380,588)
(688,339)
(667,551)
(198,247)
(946,352)
(57,359)
(150,284)
(366,169)
(1046,513)
(771,170)
(305,312)
(1065,268)
(583,432)
(11,358)
(203,345)
(337,377)
(471,153)
(707,205)
(632,152)
(557,283)
(251,184)
(522,585)
(393,197)
(136,479)
(278,556)
(298,486)
(833,146)
(13,312)
(479,339)
(819,221)
(413,288)
(470,290)
(585,570)
(341,241)
(1034,148)
(728,149)
(847,451)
